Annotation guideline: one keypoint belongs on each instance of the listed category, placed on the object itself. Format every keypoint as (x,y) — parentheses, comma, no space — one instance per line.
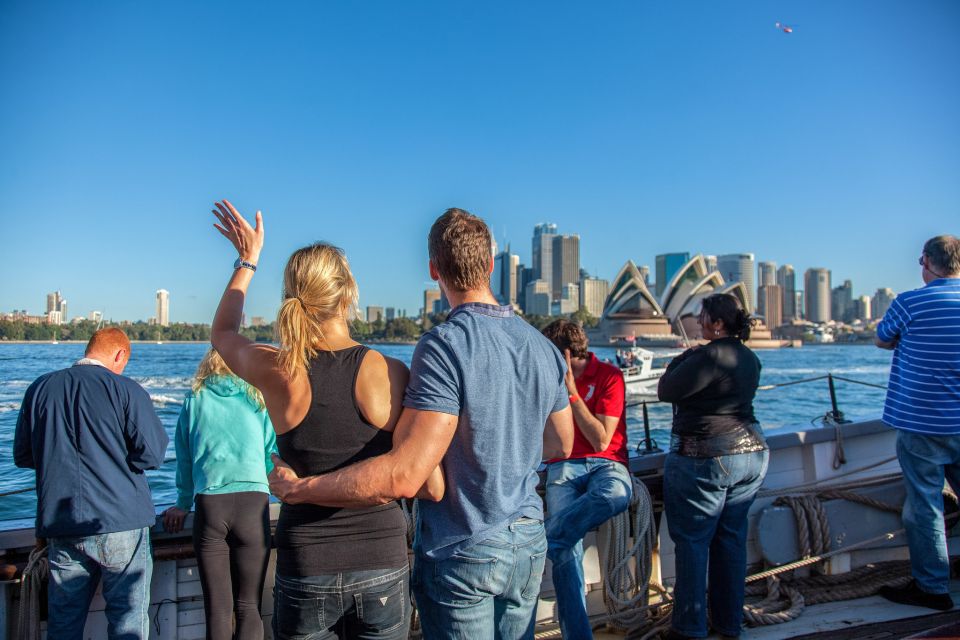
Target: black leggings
(231,537)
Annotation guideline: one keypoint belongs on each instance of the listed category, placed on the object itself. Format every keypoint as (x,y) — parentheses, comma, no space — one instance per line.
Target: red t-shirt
(601,387)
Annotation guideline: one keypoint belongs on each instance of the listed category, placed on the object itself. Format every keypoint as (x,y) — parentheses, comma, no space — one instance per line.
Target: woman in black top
(341,573)
(717,461)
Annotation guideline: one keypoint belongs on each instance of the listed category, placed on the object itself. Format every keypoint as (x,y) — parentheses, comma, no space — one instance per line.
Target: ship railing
(833,418)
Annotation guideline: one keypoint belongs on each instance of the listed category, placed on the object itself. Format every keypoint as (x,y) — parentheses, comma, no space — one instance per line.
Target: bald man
(90,433)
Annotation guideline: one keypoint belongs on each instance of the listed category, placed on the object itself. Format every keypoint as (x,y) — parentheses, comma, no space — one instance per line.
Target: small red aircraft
(784,27)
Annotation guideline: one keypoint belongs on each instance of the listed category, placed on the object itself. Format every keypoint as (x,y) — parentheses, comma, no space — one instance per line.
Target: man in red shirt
(593,484)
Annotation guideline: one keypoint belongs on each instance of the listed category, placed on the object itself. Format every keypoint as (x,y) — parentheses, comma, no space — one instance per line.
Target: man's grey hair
(943,252)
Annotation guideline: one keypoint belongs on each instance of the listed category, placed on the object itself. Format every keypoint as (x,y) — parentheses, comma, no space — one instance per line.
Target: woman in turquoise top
(224,440)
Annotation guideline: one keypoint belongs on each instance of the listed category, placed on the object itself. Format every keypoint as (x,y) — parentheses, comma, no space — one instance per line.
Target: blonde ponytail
(317,286)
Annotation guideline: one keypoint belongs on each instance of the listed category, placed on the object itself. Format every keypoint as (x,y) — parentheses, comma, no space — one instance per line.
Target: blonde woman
(224,440)
(341,573)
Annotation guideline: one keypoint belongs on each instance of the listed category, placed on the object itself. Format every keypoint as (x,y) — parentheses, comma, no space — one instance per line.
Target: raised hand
(247,240)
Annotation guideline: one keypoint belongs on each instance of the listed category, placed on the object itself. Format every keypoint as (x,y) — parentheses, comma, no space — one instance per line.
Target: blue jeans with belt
(123,560)
(356,604)
(706,501)
(581,495)
(486,591)
(926,461)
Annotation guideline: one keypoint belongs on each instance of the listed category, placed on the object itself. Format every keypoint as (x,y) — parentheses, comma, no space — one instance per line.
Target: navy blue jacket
(90,434)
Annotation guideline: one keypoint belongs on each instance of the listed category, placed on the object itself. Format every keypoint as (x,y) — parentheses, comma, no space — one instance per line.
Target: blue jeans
(926,461)
(124,562)
(706,501)
(356,604)
(581,495)
(488,590)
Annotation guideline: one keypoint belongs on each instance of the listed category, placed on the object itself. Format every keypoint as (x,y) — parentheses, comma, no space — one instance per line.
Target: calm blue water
(166,372)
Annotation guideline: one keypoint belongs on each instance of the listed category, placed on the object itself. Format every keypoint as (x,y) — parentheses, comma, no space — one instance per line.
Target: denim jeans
(486,591)
(926,461)
(706,501)
(123,560)
(357,604)
(581,495)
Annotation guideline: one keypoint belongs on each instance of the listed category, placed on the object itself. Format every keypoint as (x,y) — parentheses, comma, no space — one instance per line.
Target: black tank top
(314,540)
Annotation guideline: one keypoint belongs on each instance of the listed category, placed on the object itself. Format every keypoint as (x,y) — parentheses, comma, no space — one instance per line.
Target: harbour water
(166,370)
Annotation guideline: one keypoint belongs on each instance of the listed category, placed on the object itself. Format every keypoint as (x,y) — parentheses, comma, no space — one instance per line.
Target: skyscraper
(163,308)
(667,264)
(504,281)
(841,302)
(711,262)
(593,293)
(543,252)
(881,302)
(787,281)
(738,267)
(56,303)
(566,263)
(645,273)
(374,313)
(861,309)
(770,305)
(816,287)
(430,297)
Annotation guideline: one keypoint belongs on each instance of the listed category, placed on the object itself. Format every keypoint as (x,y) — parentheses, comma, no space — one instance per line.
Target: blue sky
(644,127)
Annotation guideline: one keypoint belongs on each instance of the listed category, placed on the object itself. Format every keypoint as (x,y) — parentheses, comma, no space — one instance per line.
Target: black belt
(744,439)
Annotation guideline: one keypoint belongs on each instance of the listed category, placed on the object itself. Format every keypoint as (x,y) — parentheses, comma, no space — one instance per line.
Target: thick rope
(31,584)
(626,571)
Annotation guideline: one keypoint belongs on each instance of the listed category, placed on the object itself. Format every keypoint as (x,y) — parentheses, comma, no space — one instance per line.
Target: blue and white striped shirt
(924,391)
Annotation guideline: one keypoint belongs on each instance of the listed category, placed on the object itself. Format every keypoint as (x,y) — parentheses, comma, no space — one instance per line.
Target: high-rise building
(816,287)
(787,281)
(56,302)
(566,263)
(504,282)
(374,313)
(667,264)
(163,308)
(798,310)
(430,297)
(711,262)
(738,267)
(390,313)
(766,273)
(861,309)
(770,305)
(593,293)
(538,298)
(95,316)
(881,302)
(543,235)
(841,302)
(258,321)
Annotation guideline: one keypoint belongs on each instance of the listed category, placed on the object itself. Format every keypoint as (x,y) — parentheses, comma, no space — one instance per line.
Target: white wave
(9,406)
(15,383)
(161,399)
(165,382)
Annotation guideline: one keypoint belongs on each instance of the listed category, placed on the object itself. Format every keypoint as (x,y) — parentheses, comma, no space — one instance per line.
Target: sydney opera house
(632,314)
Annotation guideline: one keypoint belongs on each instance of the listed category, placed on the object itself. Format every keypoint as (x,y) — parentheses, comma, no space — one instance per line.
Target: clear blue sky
(644,127)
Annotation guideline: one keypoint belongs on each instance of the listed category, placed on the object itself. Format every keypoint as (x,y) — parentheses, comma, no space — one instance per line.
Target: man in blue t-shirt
(923,403)
(90,433)
(487,402)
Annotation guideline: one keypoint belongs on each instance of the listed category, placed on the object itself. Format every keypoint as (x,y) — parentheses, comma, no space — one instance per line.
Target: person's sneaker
(913,595)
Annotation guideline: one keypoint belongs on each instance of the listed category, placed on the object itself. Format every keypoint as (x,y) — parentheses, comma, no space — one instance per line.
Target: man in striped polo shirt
(922,327)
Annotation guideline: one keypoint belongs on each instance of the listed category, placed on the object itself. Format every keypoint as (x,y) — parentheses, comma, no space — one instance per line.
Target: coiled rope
(31,584)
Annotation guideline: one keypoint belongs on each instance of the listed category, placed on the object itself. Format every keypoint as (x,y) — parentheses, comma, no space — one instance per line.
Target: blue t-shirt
(924,391)
(503,378)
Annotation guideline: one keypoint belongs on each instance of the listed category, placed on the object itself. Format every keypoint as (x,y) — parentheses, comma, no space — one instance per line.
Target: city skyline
(644,128)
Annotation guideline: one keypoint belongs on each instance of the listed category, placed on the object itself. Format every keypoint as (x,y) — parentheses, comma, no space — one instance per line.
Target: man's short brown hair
(459,245)
(108,340)
(943,252)
(567,335)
